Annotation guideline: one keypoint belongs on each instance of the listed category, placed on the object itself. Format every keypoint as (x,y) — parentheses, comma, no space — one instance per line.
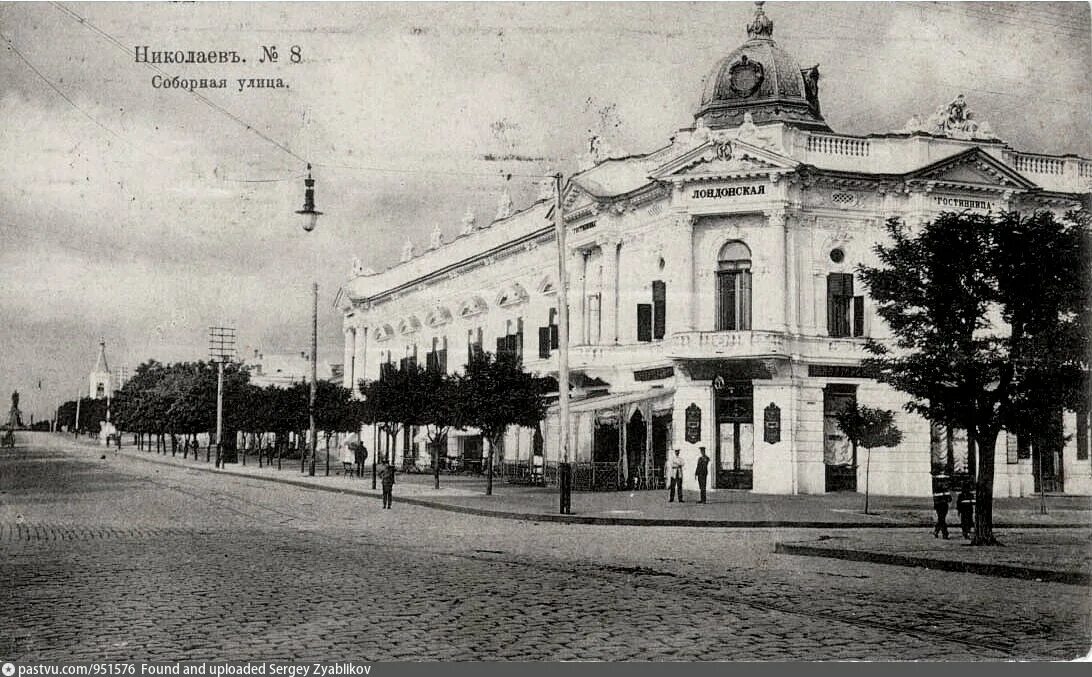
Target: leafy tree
(392,401)
(987,314)
(498,393)
(869,428)
(442,407)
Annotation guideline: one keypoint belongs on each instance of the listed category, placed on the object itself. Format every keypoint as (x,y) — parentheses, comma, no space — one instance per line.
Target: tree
(497,393)
(869,428)
(392,401)
(442,407)
(986,312)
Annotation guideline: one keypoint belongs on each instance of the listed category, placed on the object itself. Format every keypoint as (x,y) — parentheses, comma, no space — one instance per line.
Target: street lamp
(310,220)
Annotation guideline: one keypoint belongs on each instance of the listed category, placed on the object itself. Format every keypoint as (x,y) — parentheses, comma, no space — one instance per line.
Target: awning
(609,403)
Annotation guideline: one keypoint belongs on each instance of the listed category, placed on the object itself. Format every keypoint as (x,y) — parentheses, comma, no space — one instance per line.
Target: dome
(762,79)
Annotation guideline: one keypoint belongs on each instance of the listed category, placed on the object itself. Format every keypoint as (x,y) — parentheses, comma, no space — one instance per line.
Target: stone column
(360,357)
(347,357)
(792,289)
(578,327)
(608,306)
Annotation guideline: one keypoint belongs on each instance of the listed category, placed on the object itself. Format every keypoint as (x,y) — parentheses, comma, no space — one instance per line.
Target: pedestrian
(386,475)
(702,473)
(360,454)
(676,477)
(965,508)
(941,499)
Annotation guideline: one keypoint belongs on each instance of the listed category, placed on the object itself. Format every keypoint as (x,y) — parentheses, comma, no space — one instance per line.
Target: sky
(141,215)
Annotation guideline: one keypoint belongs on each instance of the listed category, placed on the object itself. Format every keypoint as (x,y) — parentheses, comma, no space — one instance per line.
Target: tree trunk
(489,469)
(867,467)
(972,456)
(983,517)
(436,465)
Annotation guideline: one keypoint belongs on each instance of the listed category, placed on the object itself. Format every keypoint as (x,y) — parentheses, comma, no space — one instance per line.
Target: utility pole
(312,436)
(564,470)
(221,349)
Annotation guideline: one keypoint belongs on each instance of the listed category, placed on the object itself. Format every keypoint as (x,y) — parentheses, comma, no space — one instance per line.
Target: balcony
(750,344)
(699,344)
(592,356)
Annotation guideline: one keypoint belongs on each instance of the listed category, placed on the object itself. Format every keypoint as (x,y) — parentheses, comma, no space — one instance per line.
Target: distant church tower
(101,385)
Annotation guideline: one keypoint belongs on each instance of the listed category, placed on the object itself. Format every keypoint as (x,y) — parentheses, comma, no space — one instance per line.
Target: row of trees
(175,401)
(491,394)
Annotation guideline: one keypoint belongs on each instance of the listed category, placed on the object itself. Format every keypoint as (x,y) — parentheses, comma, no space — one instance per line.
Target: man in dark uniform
(941,499)
(386,475)
(702,473)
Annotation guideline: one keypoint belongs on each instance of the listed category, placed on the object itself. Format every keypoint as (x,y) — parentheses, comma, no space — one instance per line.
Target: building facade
(711,291)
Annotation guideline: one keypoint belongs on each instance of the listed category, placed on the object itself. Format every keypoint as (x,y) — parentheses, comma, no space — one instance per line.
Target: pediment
(723,158)
(472,306)
(511,295)
(438,317)
(546,286)
(973,167)
(384,332)
(409,325)
(576,201)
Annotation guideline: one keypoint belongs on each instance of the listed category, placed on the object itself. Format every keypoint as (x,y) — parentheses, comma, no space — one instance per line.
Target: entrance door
(735,445)
(838,456)
(661,436)
(636,438)
(1046,457)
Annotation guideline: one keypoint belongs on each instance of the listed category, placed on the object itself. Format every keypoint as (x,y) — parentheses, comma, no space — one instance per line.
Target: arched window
(734,287)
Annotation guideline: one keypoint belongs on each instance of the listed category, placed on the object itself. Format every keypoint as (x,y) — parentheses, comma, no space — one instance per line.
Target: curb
(587,519)
(995,570)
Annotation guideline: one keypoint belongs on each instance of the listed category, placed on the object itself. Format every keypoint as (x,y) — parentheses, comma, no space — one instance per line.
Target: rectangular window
(858,316)
(734,300)
(543,342)
(644,321)
(1012,448)
(839,303)
(659,309)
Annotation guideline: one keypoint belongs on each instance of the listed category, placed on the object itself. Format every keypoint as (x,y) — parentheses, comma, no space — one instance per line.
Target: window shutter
(659,309)
(834,283)
(858,315)
(511,344)
(745,299)
(555,340)
(544,342)
(441,361)
(500,345)
(644,322)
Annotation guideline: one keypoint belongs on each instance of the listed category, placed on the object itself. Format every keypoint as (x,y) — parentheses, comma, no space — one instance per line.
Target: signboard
(771,424)
(693,424)
(959,203)
(727,192)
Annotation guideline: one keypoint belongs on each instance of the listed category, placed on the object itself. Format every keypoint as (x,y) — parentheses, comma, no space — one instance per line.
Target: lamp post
(310,220)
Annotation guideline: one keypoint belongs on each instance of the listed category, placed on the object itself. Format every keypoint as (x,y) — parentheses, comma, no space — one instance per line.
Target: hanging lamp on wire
(309,214)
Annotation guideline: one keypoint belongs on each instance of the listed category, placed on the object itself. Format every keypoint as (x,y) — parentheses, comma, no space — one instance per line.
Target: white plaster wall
(774,472)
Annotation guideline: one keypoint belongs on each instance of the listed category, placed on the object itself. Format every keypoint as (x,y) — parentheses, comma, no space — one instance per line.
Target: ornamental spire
(761,26)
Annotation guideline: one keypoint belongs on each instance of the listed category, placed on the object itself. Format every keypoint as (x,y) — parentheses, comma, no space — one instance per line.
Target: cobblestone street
(121,559)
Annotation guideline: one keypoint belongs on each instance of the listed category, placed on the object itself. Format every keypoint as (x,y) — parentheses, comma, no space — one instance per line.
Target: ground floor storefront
(767,426)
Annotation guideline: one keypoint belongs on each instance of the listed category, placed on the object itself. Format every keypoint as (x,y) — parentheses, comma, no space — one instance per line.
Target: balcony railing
(729,344)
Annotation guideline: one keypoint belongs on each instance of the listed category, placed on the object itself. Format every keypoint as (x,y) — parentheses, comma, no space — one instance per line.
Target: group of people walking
(701,474)
(964,506)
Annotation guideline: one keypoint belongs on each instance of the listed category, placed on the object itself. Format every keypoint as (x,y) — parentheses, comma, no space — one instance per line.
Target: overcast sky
(142,215)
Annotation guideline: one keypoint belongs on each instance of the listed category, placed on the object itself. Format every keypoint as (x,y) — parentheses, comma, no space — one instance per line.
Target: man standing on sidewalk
(386,475)
(702,473)
(676,477)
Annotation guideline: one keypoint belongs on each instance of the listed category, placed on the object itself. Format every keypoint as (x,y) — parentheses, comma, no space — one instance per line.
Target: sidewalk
(466,494)
(1055,555)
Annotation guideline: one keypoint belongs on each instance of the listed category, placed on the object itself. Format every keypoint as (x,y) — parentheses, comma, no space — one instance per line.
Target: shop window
(734,288)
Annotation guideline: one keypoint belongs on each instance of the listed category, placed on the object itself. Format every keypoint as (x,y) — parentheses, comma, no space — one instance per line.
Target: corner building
(712,295)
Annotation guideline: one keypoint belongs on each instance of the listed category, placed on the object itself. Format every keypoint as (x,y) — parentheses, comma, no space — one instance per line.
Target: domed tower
(762,79)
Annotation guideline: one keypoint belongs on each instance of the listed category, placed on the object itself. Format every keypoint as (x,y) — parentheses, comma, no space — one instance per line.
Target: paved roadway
(120,559)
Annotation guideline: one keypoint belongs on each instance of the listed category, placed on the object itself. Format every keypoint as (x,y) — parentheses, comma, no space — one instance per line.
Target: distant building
(101,380)
(285,369)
